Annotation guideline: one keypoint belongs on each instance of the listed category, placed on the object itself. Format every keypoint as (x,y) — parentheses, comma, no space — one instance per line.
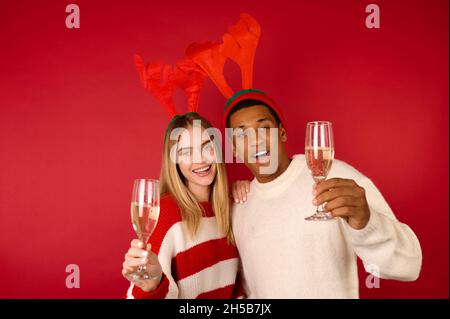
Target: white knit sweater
(285,256)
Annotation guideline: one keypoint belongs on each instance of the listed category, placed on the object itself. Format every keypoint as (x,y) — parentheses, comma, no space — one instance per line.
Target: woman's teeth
(204,169)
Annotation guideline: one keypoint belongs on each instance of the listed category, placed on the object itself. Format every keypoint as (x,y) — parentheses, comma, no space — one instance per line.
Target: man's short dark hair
(249,103)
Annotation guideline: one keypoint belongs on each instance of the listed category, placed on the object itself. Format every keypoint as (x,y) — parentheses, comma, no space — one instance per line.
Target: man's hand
(344,199)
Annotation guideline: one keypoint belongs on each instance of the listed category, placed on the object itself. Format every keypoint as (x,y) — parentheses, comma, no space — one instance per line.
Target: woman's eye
(185,153)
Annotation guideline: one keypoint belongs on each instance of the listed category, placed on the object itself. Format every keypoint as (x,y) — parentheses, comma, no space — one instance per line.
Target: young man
(285,256)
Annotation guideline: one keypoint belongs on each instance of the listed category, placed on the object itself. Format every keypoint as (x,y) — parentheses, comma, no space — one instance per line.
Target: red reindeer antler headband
(238,45)
(161,79)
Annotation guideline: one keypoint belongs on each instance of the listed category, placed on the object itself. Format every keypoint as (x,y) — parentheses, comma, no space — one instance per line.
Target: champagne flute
(144,216)
(319,154)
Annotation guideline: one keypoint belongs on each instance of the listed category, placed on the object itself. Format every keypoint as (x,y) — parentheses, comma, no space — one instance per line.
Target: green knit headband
(238,94)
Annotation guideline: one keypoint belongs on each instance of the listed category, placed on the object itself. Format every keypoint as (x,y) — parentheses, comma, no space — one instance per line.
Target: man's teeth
(261,153)
(202,169)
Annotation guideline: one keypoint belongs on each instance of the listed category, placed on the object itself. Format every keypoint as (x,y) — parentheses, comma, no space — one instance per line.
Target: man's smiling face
(253,148)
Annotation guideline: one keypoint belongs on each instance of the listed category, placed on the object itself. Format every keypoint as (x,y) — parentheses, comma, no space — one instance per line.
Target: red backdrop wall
(76,127)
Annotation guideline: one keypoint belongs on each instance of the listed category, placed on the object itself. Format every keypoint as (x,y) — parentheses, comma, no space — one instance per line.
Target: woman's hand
(240,190)
(137,256)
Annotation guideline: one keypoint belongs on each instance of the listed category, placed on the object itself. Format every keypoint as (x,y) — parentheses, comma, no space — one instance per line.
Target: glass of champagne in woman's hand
(144,216)
(319,154)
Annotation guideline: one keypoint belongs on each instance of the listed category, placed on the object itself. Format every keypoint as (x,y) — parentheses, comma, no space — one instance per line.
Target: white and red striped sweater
(205,266)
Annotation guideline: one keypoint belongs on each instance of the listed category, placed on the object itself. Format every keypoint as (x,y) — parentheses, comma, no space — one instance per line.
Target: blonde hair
(172,181)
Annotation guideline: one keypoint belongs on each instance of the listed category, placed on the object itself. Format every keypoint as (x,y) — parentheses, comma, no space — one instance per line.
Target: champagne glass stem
(321,208)
(142,270)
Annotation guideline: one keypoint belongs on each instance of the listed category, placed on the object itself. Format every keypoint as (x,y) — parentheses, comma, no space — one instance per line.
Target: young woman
(191,253)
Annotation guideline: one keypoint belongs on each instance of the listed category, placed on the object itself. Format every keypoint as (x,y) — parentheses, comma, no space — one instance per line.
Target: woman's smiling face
(196,159)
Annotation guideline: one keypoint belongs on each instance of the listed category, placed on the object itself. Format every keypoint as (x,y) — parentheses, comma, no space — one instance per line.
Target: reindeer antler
(189,77)
(208,56)
(240,44)
(158,79)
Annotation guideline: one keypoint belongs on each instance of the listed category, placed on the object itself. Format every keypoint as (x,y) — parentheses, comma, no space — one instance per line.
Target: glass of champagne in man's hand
(319,154)
(144,216)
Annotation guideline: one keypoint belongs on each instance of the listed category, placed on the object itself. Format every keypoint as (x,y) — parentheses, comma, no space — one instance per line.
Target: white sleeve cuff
(359,236)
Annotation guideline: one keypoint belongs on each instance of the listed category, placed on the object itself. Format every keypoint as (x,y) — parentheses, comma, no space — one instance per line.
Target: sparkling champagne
(319,160)
(144,218)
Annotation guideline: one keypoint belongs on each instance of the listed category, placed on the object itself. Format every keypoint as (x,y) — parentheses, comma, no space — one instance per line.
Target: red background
(76,127)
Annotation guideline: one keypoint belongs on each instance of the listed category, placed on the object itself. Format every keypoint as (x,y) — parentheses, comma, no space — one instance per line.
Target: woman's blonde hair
(172,181)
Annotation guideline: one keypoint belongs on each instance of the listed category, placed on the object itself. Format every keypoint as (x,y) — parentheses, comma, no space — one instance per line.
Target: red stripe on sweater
(159,293)
(220,293)
(201,256)
(169,215)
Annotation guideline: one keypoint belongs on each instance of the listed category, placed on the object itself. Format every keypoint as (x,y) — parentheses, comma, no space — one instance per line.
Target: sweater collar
(279,184)
(207,209)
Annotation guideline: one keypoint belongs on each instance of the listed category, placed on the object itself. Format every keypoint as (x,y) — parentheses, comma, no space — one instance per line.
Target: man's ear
(233,145)
(283,134)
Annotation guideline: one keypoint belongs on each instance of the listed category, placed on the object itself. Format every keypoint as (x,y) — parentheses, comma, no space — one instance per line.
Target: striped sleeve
(169,216)
(159,293)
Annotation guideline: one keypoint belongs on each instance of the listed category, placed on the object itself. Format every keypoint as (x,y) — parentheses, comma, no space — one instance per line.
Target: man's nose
(259,143)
